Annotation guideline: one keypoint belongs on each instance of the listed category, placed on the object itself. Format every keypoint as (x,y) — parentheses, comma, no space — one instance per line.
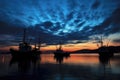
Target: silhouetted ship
(60,52)
(105,50)
(25,50)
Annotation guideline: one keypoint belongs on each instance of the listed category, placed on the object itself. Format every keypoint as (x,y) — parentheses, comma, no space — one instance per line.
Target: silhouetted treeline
(114,49)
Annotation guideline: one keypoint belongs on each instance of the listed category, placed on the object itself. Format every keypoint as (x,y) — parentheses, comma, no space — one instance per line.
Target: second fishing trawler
(60,52)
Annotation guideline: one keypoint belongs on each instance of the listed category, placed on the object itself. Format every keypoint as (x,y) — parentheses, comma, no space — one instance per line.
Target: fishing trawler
(105,50)
(25,49)
(60,52)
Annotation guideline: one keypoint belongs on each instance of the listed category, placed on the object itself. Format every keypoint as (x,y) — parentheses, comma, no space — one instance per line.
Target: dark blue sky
(72,21)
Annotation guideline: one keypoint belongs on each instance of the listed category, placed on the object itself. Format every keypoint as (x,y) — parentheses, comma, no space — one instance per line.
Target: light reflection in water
(75,67)
(73,59)
(78,59)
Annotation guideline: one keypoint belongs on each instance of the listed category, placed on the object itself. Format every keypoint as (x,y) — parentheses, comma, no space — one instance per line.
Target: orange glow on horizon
(66,47)
(7,48)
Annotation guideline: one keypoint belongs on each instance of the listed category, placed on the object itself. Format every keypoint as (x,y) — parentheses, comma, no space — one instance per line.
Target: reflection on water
(24,64)
(50,67)
(59,59)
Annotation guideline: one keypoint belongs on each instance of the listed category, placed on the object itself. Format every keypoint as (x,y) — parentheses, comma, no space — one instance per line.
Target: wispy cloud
(54,20)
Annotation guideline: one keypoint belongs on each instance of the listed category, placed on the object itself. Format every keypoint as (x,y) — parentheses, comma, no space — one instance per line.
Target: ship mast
(101,41)
(108,42)
(60,46)
(39,45)
(24,35)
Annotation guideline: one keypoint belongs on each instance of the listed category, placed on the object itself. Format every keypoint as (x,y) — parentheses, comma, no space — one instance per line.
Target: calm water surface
(47,67)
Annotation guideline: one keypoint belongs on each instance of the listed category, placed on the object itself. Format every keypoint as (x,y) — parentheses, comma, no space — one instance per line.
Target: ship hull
(109,54)
(106,51)
(25,55)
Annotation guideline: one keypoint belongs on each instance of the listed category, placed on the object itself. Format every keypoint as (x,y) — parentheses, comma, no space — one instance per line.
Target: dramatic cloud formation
(72,21)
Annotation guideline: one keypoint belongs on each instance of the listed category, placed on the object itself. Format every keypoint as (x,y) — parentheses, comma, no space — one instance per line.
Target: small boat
(25,50)
(60,52)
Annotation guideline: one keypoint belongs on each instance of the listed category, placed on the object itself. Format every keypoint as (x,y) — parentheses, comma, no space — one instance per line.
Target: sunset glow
(77,24)
(67,47)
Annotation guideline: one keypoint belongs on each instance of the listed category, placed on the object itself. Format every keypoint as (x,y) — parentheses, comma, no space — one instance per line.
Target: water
(47,67)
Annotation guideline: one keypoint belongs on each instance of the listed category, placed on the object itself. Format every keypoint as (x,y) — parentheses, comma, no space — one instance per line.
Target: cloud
(110,24)
(96,4)
(116,40)
(70,15)
(66,20)
(7,28)
(47,24)
(8,40)
(76,41)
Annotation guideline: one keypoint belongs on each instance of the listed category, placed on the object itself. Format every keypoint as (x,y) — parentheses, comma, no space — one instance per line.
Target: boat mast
(24,35)
(108,42)
(35,45)
(39,44)
(60,46)
(101,41)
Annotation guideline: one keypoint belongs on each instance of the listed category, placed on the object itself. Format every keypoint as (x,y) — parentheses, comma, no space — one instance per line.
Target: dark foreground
(48,67)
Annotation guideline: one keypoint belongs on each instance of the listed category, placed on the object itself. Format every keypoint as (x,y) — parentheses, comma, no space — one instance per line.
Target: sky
(77,24)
